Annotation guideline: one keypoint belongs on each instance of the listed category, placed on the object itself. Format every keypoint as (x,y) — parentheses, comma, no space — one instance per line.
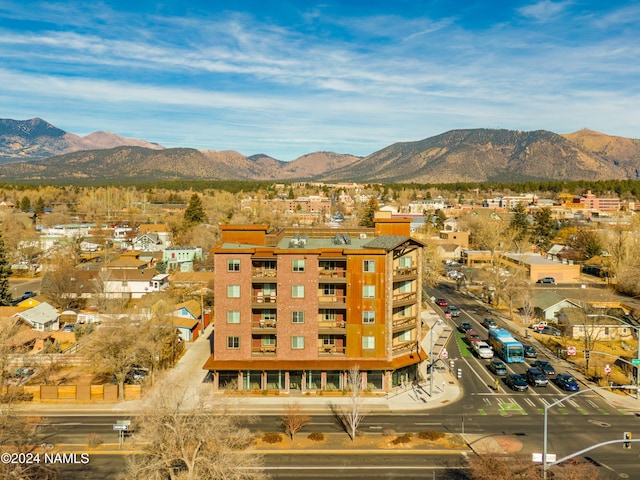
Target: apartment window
(269,340)
(233,343)
(329,290)
(329,315)
(405,287)
(268,315)
(297,343)
(369,266)
(233,265)
(405,336)
(298,265)
(233,316)
(368,291)
(368,316)
(368,343)
(233,291)
(405,262)
(297,291)
(297,317)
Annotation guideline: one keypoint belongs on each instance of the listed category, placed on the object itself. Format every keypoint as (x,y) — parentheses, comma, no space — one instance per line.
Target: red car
(441,302)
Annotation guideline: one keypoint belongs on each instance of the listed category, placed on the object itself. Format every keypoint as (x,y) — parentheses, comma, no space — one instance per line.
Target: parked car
(464,327)
(517,382)
(538,325)
(545,366)
(69,327)
(536,378)
(489,323)
(549,330)
(454,311)
(28,294)
(547,280)
(530,351)
(567,382)
(441,302)
(498,367)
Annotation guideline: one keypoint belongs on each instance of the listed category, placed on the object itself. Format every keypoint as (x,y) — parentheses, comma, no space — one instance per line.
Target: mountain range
(36,151)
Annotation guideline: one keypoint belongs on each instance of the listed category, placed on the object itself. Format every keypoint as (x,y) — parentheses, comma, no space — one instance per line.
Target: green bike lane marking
(508,408)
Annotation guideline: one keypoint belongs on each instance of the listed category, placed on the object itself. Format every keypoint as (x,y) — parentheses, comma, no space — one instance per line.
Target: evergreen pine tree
(194,213)
(369,212)
(5,271)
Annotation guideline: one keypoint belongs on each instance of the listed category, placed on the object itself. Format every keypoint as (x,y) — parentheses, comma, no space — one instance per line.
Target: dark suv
(536,378)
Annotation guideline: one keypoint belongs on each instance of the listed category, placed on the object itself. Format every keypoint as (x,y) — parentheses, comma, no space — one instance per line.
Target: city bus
(505,346)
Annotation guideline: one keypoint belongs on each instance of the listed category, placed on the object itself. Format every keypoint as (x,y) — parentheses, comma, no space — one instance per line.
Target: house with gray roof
(43,317)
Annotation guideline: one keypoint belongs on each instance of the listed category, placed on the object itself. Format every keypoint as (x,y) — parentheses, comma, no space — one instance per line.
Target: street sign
(444,354)
(537,457)
(121,427)
(635,361)
(571,350)
(607,369)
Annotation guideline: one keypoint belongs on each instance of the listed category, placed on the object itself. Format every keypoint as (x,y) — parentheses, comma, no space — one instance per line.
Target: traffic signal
(586,354)
(627,436)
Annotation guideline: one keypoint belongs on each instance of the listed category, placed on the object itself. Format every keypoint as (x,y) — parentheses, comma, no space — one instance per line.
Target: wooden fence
(73,393)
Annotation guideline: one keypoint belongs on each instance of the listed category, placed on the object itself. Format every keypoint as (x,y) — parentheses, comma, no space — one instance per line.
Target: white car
(483,349)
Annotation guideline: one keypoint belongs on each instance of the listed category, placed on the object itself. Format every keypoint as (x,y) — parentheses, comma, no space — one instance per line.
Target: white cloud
(545,11)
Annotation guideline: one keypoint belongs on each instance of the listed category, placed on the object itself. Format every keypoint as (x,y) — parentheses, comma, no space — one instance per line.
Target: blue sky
(291,77)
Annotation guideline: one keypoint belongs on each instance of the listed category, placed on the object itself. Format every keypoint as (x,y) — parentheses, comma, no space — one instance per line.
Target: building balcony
(404,298)
(262,325)
(331,326)
(404,323)
(262,273)
(404,347)
(260,299)
(405,272)
(331,350)
(329,275)
(336,300)
(267,350)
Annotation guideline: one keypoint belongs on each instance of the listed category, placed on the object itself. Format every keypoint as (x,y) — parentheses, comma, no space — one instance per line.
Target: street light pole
(545,466)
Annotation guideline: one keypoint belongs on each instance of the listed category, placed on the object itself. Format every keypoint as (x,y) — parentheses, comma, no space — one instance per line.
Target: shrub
(94,440)
(406,438)
(272,437)
(388,432)
(431,435)
(316,436)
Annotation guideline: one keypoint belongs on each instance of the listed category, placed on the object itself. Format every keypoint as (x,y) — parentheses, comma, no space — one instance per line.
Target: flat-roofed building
(295,309)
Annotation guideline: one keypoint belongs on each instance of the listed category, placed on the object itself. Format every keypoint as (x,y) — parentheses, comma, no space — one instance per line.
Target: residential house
(181,258)
(297,308)
(577,323)
(188,319)
(547,304)
(43,317)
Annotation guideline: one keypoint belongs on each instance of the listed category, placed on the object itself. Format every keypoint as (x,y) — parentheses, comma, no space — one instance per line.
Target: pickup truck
(483,349)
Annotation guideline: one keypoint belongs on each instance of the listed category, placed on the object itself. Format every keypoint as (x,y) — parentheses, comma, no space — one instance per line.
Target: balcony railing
(405,297)
(404,322)
(264,349)
(262,298)
(404,347)
(332,325)
(331,350)
(404,271)
(332,298)
(328,273)
(264,323)
(264,273)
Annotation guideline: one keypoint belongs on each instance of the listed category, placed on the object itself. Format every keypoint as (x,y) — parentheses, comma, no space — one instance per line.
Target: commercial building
(295,309)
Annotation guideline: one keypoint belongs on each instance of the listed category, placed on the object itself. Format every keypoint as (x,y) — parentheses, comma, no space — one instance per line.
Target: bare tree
(294,419)
(187,440)
(353,414)
(115,348)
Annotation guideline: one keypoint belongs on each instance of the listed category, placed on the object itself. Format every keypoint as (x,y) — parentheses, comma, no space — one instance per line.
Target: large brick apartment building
(295,309)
